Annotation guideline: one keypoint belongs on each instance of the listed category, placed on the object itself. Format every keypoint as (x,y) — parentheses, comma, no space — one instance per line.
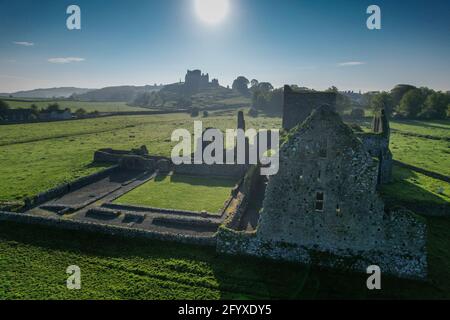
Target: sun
(212,11)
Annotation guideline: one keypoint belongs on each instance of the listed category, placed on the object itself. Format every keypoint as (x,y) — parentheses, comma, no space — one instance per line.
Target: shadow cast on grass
(238,277)
(423,124)
(409,195)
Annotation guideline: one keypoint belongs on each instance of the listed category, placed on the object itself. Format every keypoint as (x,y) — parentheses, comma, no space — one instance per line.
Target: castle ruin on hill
(196,81)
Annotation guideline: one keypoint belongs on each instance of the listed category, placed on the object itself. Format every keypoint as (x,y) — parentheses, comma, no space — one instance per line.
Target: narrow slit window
(319,201)
(338,210)
(323,148)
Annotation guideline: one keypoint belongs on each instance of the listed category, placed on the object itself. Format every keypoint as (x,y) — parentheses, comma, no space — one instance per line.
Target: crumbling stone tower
(299,105)
(195,80)
(325,192)
(377,144)
(323,207)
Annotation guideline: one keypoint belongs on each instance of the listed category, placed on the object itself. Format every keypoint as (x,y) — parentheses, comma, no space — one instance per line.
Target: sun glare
(212,11)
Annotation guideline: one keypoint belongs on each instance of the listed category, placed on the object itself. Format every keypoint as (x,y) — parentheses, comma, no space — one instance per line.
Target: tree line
(410,102)
(52,107)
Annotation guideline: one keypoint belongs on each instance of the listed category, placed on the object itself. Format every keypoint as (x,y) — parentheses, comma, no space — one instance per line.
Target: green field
(439,129)
(39,156)
(74,105)
(191,193)
(424,144)
(33,260)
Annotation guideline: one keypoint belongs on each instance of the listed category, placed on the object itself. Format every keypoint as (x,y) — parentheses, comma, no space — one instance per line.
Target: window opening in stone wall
(319,201)
(323,148)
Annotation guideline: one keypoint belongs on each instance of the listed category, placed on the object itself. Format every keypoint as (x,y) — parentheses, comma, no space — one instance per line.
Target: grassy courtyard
(182,193)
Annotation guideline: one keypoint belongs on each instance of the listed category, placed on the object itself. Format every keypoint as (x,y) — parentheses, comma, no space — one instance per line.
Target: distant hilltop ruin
(196,81)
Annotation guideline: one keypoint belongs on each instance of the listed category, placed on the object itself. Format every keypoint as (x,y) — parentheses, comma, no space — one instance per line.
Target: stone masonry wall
(94,227)
(299,105)
(378,146)
(401,265)
(215,170)
(323,207)
(63,189)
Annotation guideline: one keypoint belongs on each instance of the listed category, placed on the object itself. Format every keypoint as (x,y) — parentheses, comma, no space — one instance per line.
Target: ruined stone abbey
(322,208)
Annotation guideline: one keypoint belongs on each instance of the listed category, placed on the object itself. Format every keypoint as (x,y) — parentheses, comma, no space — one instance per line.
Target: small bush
(195,112)
(253,113)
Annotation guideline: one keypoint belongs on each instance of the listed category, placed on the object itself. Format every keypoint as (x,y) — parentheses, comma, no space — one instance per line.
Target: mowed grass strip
(181,192)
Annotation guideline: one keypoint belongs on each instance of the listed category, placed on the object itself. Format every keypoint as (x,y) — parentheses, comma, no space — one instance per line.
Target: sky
(316,44)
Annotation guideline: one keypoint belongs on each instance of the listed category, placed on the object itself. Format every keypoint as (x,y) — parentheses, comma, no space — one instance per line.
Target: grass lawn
(432,155)
(75,105)
(34,259)
(420,151)
(439,129)
(416,192)
(182,192)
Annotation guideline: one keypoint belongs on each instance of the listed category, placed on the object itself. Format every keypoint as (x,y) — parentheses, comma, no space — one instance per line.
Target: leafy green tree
(411,103)
(80,113)
(53,107)
(357,113)
(241,85)
(265,86)
(435,106)
(195,112)
(3,106)
(382,101)
(399,91)
(254,83)
(270,102)
(332,89)
(253,113)
(34,108)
